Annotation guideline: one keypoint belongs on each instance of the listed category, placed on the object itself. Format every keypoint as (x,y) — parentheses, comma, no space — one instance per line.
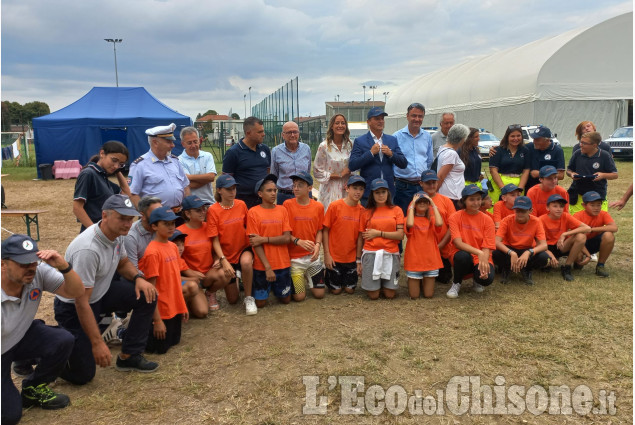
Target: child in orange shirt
(601,236)
(160,266)
(565,235)
(486,205)
(421,261)
(305,216)
(340,232)
(473,240)
(540,193)
(521,243)
(227,220)
(269,234)
(381,229)
(505,206)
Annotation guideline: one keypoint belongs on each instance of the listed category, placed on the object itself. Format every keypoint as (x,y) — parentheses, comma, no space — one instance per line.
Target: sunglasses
(514,127)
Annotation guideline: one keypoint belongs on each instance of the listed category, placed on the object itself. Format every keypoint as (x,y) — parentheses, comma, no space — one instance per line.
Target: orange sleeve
(212,223)
(489,236)
(540,231)
(455,230)
(502,231)
(183,265)
(286,224)
(252,222)
(497,212)
(149,264)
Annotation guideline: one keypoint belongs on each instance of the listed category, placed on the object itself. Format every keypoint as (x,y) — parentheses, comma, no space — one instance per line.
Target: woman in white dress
(450,167)
(330,167)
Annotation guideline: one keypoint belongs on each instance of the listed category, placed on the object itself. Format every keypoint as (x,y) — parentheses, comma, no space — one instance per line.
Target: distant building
(219,129)
(353,111)
(312,129)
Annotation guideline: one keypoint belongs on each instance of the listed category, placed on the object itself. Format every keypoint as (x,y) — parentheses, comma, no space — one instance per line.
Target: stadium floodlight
(114,42)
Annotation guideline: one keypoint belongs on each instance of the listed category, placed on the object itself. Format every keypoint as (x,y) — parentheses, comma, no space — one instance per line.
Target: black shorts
(593,244)
(342,275)
(555,251)
(172,336)
(236,266)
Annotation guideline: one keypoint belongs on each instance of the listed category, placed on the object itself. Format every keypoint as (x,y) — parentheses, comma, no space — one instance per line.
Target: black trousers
(537,261)
(120,297)
(463,265)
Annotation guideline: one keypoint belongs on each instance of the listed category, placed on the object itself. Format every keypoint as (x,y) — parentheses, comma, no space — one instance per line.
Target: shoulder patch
(138,160)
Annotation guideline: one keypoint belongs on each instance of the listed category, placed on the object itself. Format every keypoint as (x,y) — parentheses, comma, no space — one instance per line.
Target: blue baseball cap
(508,188)
(122,204)
(375,112)
(177,234)
(540,131)
(268,178)
(378,184)
(591,196)
(471,189)
(556,198)
(192,201)
(162,214)
(523,203)
(356,179)
(428,175)
(422,198)
(303,175)
(225,180)
(20,248)
(548,170)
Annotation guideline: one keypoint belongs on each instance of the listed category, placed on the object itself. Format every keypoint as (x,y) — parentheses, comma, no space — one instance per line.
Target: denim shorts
(421,275)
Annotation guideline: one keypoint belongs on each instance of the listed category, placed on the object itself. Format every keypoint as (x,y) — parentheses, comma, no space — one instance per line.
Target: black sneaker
(601,271)
(566,273)
(576,266)
(137,363)
(42,396)
(527,276)
(505,277)
(21,369)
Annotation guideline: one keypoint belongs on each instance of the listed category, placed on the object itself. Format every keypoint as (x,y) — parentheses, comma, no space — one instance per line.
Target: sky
(198,55)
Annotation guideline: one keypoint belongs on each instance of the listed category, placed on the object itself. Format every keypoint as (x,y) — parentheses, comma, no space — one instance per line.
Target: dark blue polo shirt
(247,166)
(553,155)
(507,164)
(472,171)
(93,187)
(600,162)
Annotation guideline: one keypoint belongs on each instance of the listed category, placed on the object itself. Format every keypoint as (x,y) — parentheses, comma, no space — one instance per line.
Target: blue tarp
(104,113)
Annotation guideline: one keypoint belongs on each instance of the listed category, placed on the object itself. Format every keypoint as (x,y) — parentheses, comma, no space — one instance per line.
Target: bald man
(288,159)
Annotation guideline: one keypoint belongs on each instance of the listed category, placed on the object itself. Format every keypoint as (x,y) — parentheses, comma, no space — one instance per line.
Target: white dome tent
(559,81)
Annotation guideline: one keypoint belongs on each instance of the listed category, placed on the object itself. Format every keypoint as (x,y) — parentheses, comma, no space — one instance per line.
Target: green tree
(235,116)
(35,109)
(210,112)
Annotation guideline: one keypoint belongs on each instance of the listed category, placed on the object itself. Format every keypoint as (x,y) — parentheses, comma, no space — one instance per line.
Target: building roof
(355,104)
(214,118)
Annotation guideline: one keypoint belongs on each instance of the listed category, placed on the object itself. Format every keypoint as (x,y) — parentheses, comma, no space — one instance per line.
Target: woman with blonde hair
(330,167)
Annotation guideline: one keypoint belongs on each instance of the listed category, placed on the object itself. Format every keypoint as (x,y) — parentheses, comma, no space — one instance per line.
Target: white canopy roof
(593,63)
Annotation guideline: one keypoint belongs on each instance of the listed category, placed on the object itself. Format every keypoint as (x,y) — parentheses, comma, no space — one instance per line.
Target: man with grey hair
(140,234)
(199,165)
(450,167)
(158,172)
(440,137)
(288,159)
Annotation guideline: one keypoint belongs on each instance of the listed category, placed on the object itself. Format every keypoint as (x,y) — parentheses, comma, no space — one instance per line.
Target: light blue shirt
(285,163)
(418,152)
(164,179)
(202,165)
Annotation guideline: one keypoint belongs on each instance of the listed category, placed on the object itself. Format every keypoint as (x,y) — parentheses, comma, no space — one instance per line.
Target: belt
(511,175)
(287,191)
(416,183)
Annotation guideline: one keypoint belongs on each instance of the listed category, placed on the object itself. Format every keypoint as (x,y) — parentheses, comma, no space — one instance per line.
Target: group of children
(276,248)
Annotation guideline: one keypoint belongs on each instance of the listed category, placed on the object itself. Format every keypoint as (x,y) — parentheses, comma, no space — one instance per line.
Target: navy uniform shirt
(93,187)
(472,171)
(600,162)
(553,155)
(507,164)
(247,166)
(165,179)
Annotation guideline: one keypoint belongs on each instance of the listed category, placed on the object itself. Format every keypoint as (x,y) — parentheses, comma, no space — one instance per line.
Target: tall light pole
(338,97)
(364,87)
(373,87)
(245,102)
(114,42)
(385,97)
(249,100)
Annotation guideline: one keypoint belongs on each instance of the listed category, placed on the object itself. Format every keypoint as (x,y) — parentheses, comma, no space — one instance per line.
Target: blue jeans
(404,193)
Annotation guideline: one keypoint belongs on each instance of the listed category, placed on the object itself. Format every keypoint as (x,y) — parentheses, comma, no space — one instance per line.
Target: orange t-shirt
(489,214)
(501,211)
(161,260)
(230,226)
(475,230)
(421,253)
(306,221)
(521,236)
(539,199)
(343,224)
(555,228)
(446,209)
(384,219)
(270,223)
(198,248)
(602,219)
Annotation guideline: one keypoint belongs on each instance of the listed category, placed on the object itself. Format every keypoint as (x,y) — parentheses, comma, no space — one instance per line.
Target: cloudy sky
(200,55)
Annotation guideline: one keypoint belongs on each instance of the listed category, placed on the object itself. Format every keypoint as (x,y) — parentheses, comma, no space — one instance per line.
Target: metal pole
(364,98)
(245,102)
(250,100)
(114,42)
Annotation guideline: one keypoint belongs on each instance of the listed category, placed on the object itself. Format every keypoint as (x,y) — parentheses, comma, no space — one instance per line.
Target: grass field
(233,369)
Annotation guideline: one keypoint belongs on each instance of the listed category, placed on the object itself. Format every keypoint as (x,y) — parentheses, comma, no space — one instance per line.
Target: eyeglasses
(514,127)
(585,143)
(417,106)
(116,161)
(291,133)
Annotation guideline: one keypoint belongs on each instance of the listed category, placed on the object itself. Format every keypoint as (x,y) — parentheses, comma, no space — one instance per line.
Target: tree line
(14,113)
(234,116)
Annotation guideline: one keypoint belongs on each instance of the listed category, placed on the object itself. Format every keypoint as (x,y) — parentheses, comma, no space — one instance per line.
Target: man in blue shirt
(543,151)
(248,161)
(416,145)
(375,153)
(288,159)
(199,165)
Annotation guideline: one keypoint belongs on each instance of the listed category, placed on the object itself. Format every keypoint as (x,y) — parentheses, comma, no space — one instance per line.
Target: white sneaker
(594,258)
(454,291)
(477,287)
(250,306)
(110,334)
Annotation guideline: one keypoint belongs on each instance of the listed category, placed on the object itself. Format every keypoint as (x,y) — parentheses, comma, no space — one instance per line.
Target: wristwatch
(67,269)
(137,276)
(531,252)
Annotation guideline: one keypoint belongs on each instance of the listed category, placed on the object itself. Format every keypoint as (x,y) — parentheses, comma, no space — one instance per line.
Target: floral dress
(331,161)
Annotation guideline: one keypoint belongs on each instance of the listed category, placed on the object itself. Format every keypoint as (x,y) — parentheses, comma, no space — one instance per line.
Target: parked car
(530,128)
(486,141)
(431,130)
(621,142)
